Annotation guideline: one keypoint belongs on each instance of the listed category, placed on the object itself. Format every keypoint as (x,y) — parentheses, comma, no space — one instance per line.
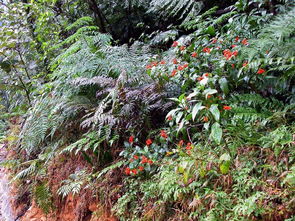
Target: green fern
(40,123)
(254,107)
(90,141)
(109,168)
(275,43)
(84,21)
(43,197)
(184,10)
(31,170)
(73,185)
(201,21)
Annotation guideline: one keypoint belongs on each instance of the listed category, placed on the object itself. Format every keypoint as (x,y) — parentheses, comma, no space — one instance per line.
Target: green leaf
(174,99)
(215,112)
(185,177)
(225,157)
(191,95)
(202,172)
(206,125)
(180,125)
(181,97)
(178,117)
(210,30)
(188,117)
(224,85)
(196,109)
(209,91)
(180,169)
(216,133)
(172,112)
(224,167)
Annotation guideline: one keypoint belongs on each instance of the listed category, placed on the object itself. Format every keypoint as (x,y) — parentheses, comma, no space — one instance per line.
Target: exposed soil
(82,207)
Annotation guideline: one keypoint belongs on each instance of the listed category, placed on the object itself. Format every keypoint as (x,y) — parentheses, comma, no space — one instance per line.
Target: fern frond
(43,197)
(109,168)
(80,22)
(277,37)
(185,10)
(32,169)
(73,184)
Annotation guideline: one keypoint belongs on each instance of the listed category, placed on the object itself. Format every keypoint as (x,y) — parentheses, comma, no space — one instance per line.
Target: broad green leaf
(192,94)
(180,169)
(224,85)
(181,97)
(224,167)
(206,125)
(210,30)
(209,91)
(225,163)
(172,112)
(178,117)
(215,112)
(196,109)
(216,133)
(188,117)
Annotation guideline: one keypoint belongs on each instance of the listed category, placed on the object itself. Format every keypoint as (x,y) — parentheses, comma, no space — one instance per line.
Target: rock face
(6,212)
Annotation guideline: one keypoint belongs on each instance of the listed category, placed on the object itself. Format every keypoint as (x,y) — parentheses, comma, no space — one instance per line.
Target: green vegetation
(162,109)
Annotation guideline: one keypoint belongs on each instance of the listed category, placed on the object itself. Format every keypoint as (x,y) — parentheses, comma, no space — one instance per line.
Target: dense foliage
(173,110)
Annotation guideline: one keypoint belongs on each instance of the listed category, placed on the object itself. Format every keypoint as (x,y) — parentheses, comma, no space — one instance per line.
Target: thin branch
(25,67)
(2,3)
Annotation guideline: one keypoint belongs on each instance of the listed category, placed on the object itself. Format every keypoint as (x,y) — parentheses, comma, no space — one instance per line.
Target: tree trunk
(99,17)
